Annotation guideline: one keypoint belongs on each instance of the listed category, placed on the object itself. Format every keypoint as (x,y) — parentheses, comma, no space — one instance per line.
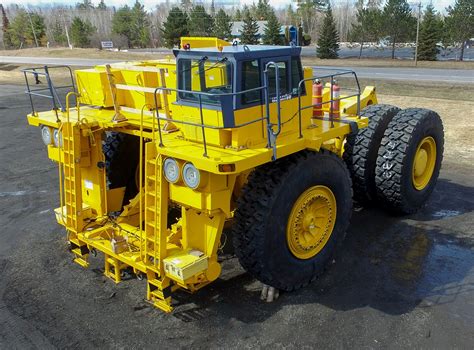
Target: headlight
(57,138)
(46,135)
(191,176)
(171,170)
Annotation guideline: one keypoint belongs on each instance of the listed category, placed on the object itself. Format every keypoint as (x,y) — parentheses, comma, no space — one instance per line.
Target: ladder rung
(151,224)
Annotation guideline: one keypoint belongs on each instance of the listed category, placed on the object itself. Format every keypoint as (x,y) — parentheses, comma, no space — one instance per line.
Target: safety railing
(339,72)
(49,92)
(228,98)
(225,99)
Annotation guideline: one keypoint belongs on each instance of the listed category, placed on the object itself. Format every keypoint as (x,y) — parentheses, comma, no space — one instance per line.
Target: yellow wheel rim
(424,163)
(311,222)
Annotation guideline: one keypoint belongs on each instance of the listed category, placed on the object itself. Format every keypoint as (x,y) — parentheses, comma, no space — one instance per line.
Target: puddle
(445,213)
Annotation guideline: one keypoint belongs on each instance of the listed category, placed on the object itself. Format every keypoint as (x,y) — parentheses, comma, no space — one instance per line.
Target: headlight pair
(50,136)
(190,174)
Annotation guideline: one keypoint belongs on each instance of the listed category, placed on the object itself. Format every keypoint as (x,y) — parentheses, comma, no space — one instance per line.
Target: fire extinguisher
(335,103)
(317,98)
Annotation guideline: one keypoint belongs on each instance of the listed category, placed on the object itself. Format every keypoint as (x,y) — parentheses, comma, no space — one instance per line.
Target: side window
(296,76)
(250,80)
(284,82)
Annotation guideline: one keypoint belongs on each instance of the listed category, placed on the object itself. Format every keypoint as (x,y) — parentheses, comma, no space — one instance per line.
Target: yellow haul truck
(155,157)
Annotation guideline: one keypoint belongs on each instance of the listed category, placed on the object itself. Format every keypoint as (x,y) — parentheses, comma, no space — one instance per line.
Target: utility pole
(417,33)
(33,29)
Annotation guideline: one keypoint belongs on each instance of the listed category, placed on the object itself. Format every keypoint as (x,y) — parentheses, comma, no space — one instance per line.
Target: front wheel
(291,216)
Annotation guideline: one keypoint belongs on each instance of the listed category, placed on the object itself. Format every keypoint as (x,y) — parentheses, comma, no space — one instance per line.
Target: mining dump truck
(156,158)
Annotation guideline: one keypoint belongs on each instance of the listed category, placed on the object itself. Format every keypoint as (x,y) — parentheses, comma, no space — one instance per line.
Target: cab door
(288,98)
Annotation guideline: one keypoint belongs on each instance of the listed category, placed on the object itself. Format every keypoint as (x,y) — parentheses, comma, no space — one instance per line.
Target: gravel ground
(398,281)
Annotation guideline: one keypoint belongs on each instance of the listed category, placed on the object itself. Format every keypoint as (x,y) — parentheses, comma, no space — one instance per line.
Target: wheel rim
(311,222)
(424,163)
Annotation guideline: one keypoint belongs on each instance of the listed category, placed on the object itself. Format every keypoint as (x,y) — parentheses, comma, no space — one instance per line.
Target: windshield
(209,75)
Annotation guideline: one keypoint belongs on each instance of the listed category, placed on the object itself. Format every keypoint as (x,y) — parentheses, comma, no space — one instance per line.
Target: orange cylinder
(317,99)
(336,102)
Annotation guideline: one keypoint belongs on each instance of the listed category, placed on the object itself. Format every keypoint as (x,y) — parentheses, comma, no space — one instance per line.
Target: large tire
(260,229)
(361,150)
(399,178)
(121,160)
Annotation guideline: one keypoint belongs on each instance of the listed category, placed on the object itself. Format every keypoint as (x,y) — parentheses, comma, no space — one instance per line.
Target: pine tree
(7,43)
(429,36)
(460,23)
(102,5)
(263,10)
(367,27)
(249,29)
(80,32)
(85,5)
(237,15)
(200,22)
(122,24)
(25,27)
(17,29)
(213,9)
(175,27)
(223,25)
(37,24)
(328,41)
(140,26)
(398,22)
(57,33)
(272,34)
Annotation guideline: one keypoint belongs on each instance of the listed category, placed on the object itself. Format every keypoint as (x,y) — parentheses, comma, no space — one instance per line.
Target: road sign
(107,44)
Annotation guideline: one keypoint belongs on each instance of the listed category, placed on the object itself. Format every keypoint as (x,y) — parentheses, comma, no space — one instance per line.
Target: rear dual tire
(396,160)
(409,160)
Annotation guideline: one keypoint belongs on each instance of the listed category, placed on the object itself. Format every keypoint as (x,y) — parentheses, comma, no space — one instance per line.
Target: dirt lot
(398,282)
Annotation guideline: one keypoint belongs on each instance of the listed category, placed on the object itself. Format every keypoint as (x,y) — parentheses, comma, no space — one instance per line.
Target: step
(151,224)
(152,178)
(153,209)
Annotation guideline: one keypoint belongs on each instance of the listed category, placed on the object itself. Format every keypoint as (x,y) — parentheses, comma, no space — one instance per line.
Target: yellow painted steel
(182,254)
(311,222)
(196,42)
(424,163)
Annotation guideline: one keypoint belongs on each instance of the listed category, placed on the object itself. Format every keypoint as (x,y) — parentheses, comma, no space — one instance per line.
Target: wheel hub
(424,163)
(311,222)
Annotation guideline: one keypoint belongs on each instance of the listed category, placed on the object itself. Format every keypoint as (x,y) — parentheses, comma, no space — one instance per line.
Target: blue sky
(149,4)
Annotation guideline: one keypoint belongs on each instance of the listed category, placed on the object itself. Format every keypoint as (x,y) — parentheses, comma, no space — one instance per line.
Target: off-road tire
(121,160)
(361,150)
(263,209)
(396,155)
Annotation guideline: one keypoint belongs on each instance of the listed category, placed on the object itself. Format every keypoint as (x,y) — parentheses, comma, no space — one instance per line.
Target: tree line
(397,21)
(366,21)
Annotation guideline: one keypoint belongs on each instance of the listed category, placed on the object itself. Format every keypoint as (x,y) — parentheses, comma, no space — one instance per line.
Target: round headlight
(46,135)
(171,170)
(191,176)
(57,138)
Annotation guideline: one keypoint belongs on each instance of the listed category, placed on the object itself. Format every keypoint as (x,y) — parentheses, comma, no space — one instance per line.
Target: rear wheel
(361,150)
(291,216)
(409,159)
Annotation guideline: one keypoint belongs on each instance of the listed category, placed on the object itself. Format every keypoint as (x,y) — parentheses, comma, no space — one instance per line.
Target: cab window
(251,80)
(296,76)
(283,75)
(204,75)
